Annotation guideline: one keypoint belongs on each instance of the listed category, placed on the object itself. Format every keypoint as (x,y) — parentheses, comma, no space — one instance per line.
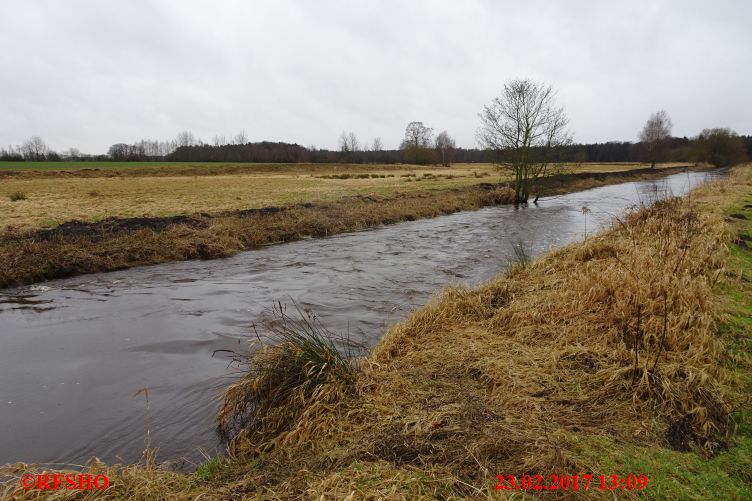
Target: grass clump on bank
(305,368)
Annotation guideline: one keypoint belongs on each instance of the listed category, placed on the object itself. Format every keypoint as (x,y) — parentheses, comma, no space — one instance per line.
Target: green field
(53,166)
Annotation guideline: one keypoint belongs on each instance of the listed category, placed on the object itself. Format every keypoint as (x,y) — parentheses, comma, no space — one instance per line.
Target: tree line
(719,146)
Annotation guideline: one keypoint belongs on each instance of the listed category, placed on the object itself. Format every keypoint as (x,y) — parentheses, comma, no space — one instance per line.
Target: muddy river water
(74,352)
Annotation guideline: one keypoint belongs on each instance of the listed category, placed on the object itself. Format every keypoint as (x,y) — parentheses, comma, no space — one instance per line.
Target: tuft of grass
(305,367)
(209,470)
(17,195)
(94,193)
(522,256)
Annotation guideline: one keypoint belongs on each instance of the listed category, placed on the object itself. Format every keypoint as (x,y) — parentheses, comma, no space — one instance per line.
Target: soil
(116,225)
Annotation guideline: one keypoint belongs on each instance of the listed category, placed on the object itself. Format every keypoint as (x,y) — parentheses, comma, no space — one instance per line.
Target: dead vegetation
(157,191)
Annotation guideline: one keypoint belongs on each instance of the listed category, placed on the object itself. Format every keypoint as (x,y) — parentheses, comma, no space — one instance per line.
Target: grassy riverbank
(628,353)
(92,244)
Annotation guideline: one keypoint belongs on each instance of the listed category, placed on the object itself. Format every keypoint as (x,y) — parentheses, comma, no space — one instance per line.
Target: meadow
(52,193)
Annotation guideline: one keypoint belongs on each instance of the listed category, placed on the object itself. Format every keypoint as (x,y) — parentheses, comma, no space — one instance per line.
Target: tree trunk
(518,187)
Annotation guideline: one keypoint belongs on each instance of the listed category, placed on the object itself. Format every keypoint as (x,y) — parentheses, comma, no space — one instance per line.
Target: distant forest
(675,149)
(678,150)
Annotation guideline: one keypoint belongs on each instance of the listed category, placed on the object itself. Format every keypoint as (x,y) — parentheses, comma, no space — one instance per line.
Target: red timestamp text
(566,482)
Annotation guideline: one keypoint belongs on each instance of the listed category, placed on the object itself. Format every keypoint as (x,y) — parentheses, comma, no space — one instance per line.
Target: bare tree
(35,148)
(344,144)
(240,138)
(654,136)
(219,140)
(72,154)
(354,143)
(524,126)
(417,135)
(445,144)
(348,145)
(167,147)
(185,138)
(377,145)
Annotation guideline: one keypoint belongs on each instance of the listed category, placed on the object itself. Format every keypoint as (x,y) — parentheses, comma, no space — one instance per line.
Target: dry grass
(143,482)
(57,197)
(304,367)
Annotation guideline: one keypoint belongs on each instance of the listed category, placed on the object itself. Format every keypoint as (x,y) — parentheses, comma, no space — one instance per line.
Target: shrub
(17,195)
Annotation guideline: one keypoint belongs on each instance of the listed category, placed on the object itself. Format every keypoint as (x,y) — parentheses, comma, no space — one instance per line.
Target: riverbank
(628,353)
(114,243)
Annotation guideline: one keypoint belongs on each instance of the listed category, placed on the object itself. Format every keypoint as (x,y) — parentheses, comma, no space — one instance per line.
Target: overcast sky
(90,73)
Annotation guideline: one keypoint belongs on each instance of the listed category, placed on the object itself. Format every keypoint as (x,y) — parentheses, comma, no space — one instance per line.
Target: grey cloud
(91,73)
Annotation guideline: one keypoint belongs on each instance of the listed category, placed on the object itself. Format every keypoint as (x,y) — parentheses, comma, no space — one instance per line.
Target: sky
(91,73)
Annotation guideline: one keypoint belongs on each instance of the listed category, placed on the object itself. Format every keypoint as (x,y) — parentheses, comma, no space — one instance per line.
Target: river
(74,352)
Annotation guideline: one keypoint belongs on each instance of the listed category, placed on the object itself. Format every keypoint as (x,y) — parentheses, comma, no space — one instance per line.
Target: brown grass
(304,367)
(60,196)
(142,482)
